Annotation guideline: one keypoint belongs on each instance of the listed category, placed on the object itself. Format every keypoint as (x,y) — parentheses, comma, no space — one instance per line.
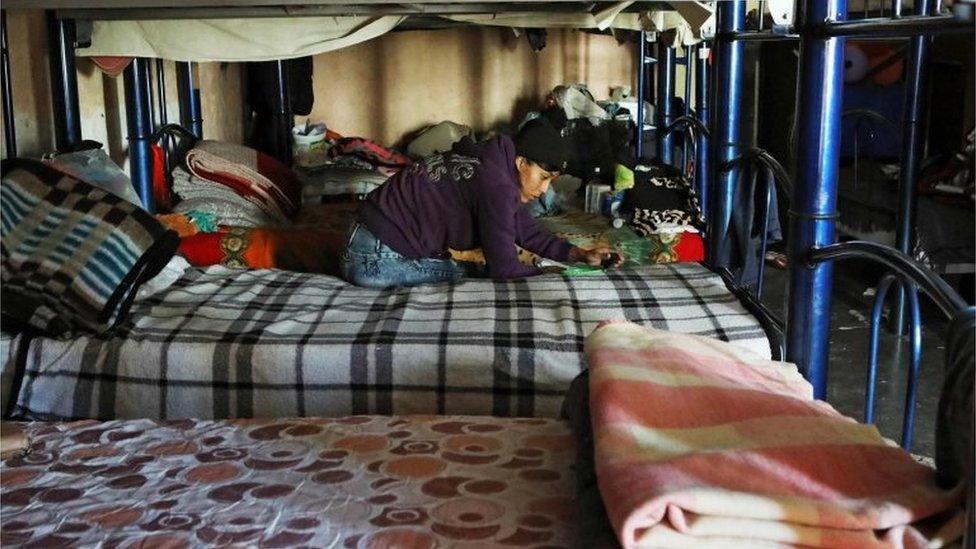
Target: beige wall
(478,76)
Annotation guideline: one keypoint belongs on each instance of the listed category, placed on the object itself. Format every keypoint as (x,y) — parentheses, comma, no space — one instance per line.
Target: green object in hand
(582,270)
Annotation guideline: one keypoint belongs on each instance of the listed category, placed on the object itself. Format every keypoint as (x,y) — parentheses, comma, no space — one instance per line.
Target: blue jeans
(370,263)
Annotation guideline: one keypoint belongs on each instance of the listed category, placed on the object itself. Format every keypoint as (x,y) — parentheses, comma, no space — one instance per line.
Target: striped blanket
(261,179)
(264,343)
(73,255)
(701,443)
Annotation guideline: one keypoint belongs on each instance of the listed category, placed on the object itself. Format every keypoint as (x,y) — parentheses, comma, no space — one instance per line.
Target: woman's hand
(596,256)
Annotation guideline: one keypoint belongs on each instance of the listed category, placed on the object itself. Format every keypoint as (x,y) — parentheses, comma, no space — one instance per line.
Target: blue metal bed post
(685,144)
(64,81)
(641,92)
(285,117)
(664,109)
(190,111)
(813,209)
(726,131)
(911,148)
(138,115)
(9,129)
(702,165)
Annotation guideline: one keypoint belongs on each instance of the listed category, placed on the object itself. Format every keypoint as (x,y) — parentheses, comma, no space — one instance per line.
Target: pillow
(73,255)
(437,139)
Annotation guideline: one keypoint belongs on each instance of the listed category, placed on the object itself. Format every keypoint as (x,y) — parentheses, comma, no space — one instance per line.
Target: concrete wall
(482,77)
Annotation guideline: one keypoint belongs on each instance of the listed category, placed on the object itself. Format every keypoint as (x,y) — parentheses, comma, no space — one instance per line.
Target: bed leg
(726,134)
(915,338)
(138,115)
(189,95)
(912,139)
(813,210)
(664,109)
(9,130)
(641,93)
(702,166)
(64,81)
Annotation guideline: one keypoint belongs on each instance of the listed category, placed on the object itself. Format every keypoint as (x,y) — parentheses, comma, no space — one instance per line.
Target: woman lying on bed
(462,199)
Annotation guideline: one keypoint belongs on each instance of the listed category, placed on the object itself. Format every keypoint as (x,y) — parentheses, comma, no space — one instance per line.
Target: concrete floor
(850,314)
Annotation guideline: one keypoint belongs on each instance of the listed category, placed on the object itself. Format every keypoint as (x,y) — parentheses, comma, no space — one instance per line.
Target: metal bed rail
(913,274)
(821,30)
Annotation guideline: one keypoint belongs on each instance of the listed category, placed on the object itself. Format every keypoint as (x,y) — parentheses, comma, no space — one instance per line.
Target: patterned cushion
(73,255)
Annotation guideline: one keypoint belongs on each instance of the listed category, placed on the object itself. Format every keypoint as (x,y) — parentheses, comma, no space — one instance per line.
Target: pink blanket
(700,443)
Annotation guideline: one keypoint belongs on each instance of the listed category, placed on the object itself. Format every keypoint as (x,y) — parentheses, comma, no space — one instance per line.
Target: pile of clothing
(661,205)
(241,186)
(356,166)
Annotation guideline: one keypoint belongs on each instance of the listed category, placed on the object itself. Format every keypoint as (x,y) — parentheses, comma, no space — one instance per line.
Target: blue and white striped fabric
(72,254)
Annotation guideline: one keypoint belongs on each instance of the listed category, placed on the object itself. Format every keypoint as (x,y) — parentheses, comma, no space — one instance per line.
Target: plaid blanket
(223,343)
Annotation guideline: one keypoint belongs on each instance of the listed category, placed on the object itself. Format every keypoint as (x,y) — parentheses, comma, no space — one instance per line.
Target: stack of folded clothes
(241,186)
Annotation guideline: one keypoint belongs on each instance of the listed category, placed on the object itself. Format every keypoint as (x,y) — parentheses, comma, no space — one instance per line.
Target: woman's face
(533,179)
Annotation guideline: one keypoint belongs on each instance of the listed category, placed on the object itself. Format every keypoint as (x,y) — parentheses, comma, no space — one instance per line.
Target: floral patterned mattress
(361,481)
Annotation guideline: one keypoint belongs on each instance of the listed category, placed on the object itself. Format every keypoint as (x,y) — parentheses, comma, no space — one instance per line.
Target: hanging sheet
(234,39)
(266,39)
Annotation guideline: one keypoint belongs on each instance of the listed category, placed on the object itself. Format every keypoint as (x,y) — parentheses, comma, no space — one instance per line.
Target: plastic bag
(95,167)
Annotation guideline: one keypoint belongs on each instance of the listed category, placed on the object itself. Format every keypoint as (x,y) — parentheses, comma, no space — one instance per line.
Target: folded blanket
(229,207)
(700,443)
(73,255)
(261,179)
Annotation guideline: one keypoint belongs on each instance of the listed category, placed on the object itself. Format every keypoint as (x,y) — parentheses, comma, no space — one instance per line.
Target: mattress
(222,343)
(347,482)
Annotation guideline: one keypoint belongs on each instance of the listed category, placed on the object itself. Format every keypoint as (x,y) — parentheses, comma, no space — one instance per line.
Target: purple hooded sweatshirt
(463,199)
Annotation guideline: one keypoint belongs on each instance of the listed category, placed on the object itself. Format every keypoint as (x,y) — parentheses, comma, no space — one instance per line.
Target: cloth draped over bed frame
(267,39)
(234,39)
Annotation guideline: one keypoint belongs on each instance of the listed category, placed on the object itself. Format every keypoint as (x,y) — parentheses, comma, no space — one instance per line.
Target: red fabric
(370,151)
(309,249)
(202,249)
(690,247)
(160,187)
(110,65)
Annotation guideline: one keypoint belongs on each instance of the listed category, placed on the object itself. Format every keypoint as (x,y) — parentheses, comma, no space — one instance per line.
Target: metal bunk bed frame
(718,154)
